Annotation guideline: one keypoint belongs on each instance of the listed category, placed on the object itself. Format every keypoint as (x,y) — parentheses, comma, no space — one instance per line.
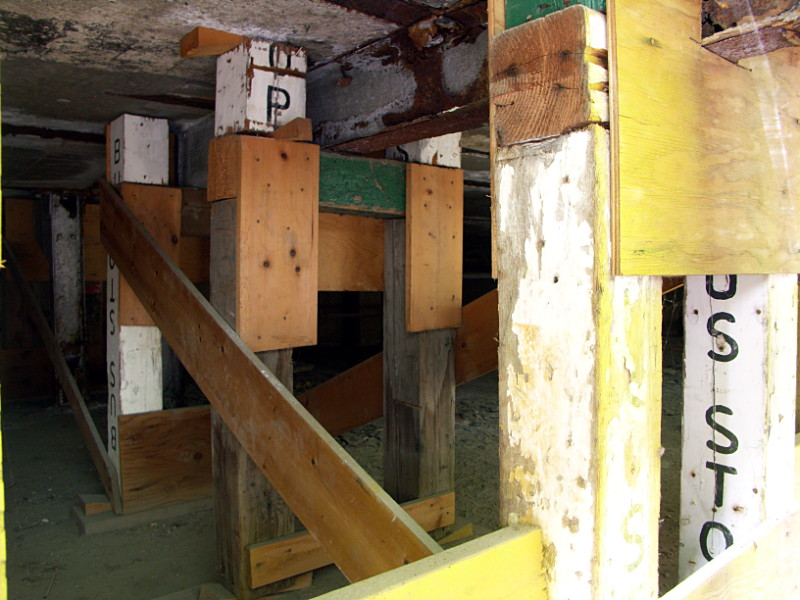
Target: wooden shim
(579,373)
(503,565)
(434,233)
(165,457)
(549,76)
(730,132)
(159,210)
(94,444)
(355,397)
(521,11)
(276,236)
(94,504)
(338,502)
(351,253)
(295,554)
(296,130)
(765,566)
(204,41)
(358,185)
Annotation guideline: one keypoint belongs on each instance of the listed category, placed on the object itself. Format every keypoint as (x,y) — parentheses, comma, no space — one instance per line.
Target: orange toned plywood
(351,253)
(434,233)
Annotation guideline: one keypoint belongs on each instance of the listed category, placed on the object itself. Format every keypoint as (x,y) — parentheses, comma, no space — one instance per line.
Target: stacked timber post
(264,235)
(422,308)
(580,363)
(136,162)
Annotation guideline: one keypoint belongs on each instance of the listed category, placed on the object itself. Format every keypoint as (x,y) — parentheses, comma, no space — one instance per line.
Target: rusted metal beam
(427,79)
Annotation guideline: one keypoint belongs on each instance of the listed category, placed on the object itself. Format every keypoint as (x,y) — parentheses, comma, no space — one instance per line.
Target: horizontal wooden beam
(355,397)
(204,41)
(765,566)
(413,83)
(300,553)
(365,186)
(89,433)
(503,565)
(364,531)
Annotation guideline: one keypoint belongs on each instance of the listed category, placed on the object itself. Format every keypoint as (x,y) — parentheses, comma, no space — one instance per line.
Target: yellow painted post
(580,357)
(3,582)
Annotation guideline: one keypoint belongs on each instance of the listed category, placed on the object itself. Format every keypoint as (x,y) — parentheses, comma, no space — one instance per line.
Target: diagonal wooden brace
(364,531)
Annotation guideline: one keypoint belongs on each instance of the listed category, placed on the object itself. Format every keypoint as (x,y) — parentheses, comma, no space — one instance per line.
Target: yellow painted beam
(506,564)
(767,566)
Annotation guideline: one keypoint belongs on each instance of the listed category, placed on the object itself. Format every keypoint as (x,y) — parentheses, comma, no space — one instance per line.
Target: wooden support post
(418,363)
(580,349)
(264,261)
(738,414)
(65,228)
(137,152)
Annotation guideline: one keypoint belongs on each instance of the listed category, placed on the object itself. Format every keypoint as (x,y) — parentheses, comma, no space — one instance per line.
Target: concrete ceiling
(71,66)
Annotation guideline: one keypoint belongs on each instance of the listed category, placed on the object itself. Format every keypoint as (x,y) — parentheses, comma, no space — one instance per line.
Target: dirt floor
(46,466)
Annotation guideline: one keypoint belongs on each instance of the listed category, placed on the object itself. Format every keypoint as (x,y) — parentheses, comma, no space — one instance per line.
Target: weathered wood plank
(338,502)
(579,373)
(507,564)
(765,566)
(362,186)
(739,391)
(351,253)
(434,233)
(734,140)
(549,76)
(165,457)
(419,82)
(521,11)
(300,553)
(419,389)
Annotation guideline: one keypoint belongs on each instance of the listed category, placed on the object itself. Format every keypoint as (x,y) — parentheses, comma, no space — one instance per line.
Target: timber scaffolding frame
(586,224)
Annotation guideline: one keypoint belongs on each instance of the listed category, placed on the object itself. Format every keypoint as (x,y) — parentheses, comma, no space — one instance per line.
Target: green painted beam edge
(366,186)
(522,11)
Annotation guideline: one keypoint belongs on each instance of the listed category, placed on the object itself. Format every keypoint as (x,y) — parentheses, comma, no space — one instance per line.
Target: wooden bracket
(204,41)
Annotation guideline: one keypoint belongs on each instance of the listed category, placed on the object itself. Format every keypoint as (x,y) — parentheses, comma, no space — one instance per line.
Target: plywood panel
(476,339)
(277,244)
(351,253)
(707,153)
(165,457)
(434,233)
(159,209)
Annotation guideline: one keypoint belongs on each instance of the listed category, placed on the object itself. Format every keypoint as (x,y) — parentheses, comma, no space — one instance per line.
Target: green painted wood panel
(522,11)
(357,185)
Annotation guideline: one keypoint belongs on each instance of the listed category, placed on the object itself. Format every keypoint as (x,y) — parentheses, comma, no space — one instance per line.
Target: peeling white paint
(139,150)
(462,65)
(442,151)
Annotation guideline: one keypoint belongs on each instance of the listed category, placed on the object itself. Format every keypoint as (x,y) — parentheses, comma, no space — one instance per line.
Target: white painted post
(260,86)
(579,373)
(738,415)
(138,152)
(67,267)
(442,151)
